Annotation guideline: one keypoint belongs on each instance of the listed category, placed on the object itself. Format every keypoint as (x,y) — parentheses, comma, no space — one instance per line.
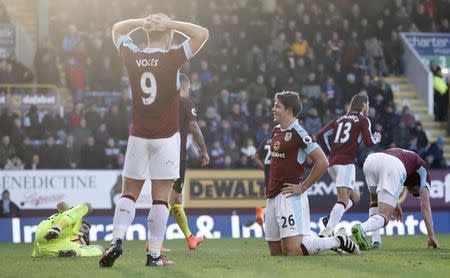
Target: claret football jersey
(343,136)
(154,80)
(289,149)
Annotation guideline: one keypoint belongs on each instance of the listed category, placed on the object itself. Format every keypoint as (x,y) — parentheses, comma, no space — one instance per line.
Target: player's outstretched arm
(198,137)
(125,27)
(425,208)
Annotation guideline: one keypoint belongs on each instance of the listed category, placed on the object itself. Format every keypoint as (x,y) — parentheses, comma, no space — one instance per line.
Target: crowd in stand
(326,50)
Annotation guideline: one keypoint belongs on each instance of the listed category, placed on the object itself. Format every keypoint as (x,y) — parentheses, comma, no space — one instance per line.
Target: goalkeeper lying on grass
(64,234)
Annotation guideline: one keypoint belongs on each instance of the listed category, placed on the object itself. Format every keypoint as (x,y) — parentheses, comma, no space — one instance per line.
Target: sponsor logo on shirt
(276,145)
(278,155)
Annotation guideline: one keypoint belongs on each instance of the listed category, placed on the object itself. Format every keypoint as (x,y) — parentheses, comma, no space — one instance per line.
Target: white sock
(123,216)
(374,223)
(335,215)
(314,245)
(157,221)
(375,234)
(349,204)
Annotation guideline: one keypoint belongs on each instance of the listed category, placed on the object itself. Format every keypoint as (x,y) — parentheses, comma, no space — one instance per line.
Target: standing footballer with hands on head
(153,150)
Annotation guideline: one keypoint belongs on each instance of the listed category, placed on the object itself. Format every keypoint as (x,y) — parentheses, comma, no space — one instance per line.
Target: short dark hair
(290,100)
(357,103)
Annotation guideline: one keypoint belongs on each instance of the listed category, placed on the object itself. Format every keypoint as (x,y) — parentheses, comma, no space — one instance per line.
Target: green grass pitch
(400,256)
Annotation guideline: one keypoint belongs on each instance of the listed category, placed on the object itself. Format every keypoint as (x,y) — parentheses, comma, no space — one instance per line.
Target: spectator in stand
(101,135)
(393,51)
(205,74)
(333,92)
(116,123)
(71,153)
(226,132)
(257,90)
(91,156)
(375,54)
(445,26)
(435,154)
(25,151)
(17,133)
(70,40)
(385,89)
(46,63)
(313,123)
(233,152)
(8,75)
(76,115)
(236,118)
(335,44)
(350,51)
(368,86)
(82,133)
(51,155)
(75,73)
(14,163)
(7,207)
(93,119)
(300,46)
(248,150)
(421,136)
(32,123)
(53,124)
(401,135)
(263,131)
(408,118)
(35,163)
(6,150)
(349,87)
(422,19)
(6,120)
(111,154)
(217,155)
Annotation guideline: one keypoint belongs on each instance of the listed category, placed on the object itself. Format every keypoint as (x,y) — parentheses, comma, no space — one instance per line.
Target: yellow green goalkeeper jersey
(71,221)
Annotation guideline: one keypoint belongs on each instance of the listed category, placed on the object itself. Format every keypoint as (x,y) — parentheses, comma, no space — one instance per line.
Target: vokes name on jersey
(147,62)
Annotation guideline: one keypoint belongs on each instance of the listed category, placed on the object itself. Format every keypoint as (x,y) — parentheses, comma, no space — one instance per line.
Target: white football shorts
(343,175)
(385,175)
(286,217)
(156,159)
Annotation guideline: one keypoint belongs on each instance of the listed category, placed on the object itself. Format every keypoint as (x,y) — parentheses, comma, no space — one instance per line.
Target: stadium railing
(418,73)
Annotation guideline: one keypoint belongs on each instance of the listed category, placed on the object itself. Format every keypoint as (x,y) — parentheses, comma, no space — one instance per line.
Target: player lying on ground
(65,234)
(347,132)
(386,174)
(287,209)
